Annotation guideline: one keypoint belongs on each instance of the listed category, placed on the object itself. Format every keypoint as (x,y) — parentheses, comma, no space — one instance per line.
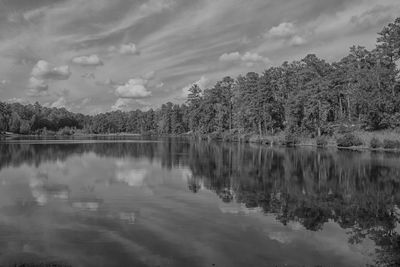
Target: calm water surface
(178,203)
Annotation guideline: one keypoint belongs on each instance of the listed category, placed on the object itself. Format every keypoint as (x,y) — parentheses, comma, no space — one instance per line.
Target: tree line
(309,97)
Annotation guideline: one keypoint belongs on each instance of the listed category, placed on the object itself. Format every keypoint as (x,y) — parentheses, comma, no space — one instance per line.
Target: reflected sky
(189,204)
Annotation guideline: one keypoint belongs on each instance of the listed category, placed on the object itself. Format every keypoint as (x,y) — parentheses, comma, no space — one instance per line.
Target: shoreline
(272,141)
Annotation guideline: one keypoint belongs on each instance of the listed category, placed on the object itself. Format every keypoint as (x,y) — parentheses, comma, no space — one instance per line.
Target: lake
(175,202)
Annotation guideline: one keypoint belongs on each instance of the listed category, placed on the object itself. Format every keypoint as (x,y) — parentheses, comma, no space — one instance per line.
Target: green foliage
(391,144)
(349,140)
(15,122)
(25,127)
(322,141)
(65,131)
(375,143)
(290,139)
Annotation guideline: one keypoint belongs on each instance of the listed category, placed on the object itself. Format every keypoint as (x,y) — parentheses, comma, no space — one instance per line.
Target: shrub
(343,129)
(375,143)
(244,138)
(349,140)
(322,141)
(290,139)
(266,141)
(391,144)
(65,131)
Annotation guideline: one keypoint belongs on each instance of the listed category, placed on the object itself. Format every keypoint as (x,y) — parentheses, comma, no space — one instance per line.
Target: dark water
(179,203)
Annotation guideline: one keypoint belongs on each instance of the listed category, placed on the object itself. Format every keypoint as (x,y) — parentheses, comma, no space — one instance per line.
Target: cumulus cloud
(88,61)
(288,32)
(134,88)
(37,87)
(44,70)
(248,58)
(128,49)
(230,56)
(125,49)
(122,104)
(59,103)
(285,29)
(202,83)
(297,41)
(254,57)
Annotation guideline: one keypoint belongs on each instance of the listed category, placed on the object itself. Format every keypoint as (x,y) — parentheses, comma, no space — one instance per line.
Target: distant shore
(391,138)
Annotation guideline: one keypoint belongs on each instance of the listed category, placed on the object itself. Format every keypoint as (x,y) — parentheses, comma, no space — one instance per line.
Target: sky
(94,56)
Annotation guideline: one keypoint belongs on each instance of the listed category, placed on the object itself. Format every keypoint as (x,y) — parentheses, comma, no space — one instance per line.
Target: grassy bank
(356,140)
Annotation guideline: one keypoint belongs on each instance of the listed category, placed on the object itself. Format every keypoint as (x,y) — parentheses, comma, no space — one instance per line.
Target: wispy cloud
(179,40)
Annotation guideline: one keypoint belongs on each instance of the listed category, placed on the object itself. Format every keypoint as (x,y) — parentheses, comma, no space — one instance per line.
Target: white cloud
(202,83)
(134,88)
(297,41)
(122,104)
(37,87)
(129,49)
(288,32)
(254,57)
(230,56)
(44,70)
(285,29)
(124,49)
(248,58)
(59,103)
(88,61)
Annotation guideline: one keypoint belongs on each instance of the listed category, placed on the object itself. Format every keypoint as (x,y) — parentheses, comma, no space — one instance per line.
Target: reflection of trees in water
(359,191)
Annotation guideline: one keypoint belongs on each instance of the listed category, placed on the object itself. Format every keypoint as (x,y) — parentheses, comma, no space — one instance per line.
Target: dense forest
(310,97)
